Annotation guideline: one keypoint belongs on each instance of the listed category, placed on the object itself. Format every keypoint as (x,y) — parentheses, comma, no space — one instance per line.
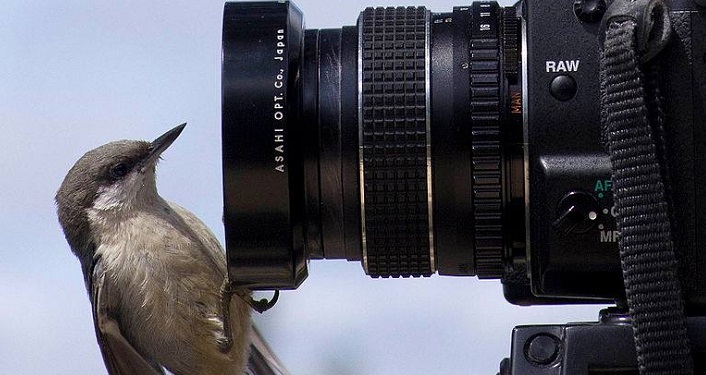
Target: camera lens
(396,142)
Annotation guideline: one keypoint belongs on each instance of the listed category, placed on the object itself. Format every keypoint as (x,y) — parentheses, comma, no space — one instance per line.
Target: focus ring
(395,188)
(486,154)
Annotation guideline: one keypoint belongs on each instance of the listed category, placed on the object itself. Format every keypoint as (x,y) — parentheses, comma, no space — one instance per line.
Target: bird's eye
(119,170)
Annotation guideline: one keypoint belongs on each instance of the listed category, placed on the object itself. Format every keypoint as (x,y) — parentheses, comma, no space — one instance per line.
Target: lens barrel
(385,142)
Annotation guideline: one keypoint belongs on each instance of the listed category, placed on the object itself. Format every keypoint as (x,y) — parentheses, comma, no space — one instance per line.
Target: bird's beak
(162,143)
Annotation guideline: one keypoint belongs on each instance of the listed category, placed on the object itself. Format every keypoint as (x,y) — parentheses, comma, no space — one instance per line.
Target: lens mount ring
(394,142)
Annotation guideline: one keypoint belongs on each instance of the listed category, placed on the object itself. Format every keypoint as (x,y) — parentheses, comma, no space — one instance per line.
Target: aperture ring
(394,142)
(486,152)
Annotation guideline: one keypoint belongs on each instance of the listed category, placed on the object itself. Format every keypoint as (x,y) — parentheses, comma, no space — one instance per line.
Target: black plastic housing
(605,347)
(565,152)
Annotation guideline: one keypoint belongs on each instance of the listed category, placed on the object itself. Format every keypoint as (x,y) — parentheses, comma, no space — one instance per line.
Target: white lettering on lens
(278,107)
(279,102)
(279,51)
(279,150)
(279,79)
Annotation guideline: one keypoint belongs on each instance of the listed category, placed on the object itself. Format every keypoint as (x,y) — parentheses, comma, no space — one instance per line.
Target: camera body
(567,161)
(464,143)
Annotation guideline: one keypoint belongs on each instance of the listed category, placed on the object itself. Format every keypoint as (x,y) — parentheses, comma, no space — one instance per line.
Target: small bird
(154,272)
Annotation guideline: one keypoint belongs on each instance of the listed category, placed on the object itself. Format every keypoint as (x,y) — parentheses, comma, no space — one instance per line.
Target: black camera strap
(634,32)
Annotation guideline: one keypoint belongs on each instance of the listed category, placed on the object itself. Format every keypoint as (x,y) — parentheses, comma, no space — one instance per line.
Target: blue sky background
(77,74)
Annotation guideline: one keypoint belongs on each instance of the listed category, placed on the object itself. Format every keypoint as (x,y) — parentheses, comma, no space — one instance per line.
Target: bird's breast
(169,285)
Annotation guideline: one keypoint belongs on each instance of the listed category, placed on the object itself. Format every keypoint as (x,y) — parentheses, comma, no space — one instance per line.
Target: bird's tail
(263,360)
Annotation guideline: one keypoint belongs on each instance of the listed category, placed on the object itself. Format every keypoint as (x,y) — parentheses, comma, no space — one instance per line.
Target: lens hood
(261,62)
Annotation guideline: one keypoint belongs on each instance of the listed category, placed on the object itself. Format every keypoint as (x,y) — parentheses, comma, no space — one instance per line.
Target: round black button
(542,349)
(563,87)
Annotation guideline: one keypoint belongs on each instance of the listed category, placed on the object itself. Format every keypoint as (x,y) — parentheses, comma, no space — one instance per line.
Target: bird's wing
(120,357)
(263,360)
(211,248)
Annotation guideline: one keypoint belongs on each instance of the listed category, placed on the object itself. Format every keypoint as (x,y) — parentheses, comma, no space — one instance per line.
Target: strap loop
(651,17)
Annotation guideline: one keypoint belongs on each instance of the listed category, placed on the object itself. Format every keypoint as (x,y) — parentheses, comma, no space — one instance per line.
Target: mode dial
(577,213)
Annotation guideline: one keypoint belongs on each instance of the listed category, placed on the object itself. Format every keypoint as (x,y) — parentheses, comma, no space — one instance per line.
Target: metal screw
(591,10)
(542,349)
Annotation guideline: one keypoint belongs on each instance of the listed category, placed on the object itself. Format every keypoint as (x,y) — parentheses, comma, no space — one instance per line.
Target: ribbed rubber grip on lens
(510,35)
(395,189)
(486,157)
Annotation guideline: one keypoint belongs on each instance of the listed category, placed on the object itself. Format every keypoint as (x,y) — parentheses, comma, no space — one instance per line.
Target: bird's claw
(227,292)
(263,304)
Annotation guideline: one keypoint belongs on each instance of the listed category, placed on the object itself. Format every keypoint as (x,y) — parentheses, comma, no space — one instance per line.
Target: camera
(464,143)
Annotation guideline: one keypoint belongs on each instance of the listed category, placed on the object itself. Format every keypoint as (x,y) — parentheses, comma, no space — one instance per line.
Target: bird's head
(108,181)
(115,176)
